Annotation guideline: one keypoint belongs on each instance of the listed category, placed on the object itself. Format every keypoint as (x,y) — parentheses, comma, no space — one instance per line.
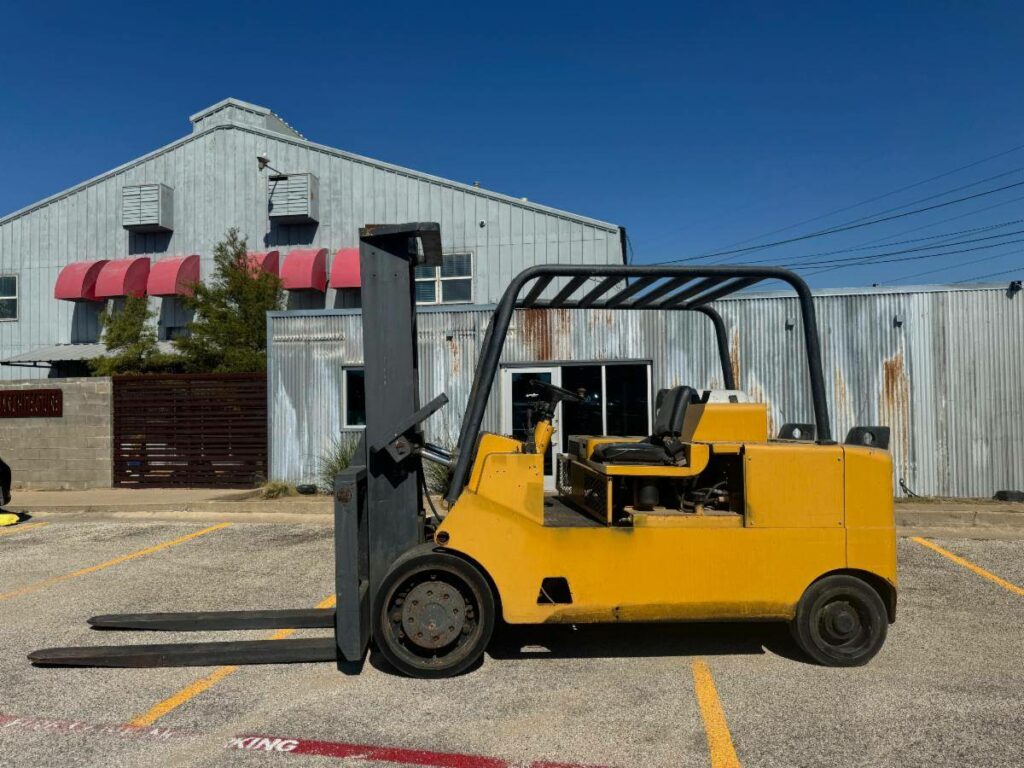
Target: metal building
(302,204)
(942,366)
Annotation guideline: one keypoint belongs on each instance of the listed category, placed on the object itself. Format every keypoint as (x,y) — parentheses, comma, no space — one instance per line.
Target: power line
(908,203)
(874,257)
(848,227)
(948,267)
(944,221)
(990,274)
(907,258)
(943,236)
(883,196)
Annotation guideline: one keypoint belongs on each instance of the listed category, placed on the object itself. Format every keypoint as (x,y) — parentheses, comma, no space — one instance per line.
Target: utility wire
(881,197)
(871,258)
(948,267)
(943,236)
(908,203)
(943,221)
(848,227)
(911,258)
(990,274)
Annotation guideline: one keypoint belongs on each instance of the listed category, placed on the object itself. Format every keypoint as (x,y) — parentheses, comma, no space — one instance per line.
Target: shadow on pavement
(641,640)
(607,641)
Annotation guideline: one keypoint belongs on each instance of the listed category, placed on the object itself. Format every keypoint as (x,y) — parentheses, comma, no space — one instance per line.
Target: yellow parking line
(1009,586)
(21,527)
(35,586)
(192,690)
(720,748)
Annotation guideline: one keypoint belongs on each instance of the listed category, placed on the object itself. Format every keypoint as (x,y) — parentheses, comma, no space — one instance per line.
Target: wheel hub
(840,622)
(433,614)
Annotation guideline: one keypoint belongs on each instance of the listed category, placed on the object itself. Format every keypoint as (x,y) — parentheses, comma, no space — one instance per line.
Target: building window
(451,283)
(355,398)
(8,297)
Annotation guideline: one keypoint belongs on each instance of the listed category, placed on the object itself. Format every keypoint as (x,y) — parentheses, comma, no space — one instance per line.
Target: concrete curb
(320,508)
(955,518)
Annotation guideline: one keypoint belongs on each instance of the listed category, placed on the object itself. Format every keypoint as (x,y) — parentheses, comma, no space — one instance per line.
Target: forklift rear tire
(434,614)
(840,621)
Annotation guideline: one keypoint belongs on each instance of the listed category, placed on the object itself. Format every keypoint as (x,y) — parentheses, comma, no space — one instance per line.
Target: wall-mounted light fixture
(897,320)
(264,162)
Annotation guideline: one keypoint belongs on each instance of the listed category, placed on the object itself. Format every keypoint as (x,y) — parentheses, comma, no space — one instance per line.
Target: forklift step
(191,654)
(212,621)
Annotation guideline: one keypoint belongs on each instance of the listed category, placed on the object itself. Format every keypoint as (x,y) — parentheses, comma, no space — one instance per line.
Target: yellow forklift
(709,518)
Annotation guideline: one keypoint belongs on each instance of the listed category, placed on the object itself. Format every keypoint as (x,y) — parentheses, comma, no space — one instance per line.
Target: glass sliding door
(586,418)
(627,399)
(616,401)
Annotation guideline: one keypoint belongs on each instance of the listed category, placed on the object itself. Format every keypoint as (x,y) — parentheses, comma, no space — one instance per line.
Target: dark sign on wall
(28,403)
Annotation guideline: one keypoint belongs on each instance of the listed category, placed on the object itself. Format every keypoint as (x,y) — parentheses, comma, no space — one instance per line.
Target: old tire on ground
(434,614)
(840,621)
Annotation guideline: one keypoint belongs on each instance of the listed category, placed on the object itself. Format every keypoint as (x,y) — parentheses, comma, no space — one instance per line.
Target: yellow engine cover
(808,510)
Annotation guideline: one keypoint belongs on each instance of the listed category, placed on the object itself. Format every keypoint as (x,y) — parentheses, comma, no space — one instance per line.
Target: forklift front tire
(434,614)
(840,621)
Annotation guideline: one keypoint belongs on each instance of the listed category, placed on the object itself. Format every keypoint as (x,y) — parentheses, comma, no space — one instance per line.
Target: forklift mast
(380,478)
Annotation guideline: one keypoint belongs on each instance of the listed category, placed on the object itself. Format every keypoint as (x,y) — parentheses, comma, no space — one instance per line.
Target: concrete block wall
(70,452)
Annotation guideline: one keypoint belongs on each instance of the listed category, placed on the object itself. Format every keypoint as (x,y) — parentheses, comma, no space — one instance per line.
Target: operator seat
(670,409)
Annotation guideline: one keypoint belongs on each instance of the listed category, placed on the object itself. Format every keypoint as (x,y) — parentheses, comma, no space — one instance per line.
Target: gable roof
(233,114)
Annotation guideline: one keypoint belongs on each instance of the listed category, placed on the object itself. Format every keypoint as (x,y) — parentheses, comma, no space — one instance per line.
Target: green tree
(228,333)
(130,339)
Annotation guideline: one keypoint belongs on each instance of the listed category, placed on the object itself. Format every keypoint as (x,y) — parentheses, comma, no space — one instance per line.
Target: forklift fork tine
(192,654)
(213,621)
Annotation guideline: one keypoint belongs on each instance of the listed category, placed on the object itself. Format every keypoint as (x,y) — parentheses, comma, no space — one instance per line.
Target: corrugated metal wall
(217,185)
(943,368)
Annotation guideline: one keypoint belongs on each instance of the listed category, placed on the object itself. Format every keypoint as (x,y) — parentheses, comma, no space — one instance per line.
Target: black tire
(840,621)
(434,614)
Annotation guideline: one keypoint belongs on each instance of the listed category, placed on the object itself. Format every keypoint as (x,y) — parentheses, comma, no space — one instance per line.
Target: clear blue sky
(697,126)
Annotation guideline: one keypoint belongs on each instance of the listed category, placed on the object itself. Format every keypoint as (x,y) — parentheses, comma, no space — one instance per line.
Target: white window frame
(555,369)
(344,395)
(17,299)
(438,280)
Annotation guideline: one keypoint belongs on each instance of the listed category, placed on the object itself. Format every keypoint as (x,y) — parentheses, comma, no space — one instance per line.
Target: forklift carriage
(707,518)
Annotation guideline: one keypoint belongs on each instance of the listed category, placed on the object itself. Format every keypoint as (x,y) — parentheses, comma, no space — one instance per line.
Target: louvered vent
(294,198)
(147,208)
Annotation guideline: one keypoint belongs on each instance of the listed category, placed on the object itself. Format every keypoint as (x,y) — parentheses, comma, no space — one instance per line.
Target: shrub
(336,458)
(276,490)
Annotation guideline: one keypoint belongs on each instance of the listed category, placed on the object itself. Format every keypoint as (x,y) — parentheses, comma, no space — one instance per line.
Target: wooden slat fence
(190,430)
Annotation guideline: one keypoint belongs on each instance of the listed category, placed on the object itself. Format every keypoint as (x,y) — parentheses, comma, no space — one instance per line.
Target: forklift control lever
(556,394)
(401,444)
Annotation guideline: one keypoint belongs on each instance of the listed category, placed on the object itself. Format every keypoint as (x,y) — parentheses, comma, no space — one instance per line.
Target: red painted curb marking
(283,745)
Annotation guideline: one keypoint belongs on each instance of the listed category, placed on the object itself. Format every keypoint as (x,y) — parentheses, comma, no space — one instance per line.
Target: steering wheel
(557,394)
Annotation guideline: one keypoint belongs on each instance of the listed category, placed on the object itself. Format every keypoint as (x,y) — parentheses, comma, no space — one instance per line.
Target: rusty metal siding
(944,368)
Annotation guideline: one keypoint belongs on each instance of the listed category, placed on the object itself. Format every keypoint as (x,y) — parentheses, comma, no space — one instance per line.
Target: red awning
(124,277)
(305,269)
(345,269)
(174,276)
(268,261)
(77,281)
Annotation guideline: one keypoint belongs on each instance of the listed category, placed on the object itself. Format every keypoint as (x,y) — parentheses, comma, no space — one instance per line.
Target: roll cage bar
(645,288)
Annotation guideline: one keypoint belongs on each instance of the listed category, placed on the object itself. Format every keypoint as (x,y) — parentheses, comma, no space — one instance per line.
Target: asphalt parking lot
(947,689)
